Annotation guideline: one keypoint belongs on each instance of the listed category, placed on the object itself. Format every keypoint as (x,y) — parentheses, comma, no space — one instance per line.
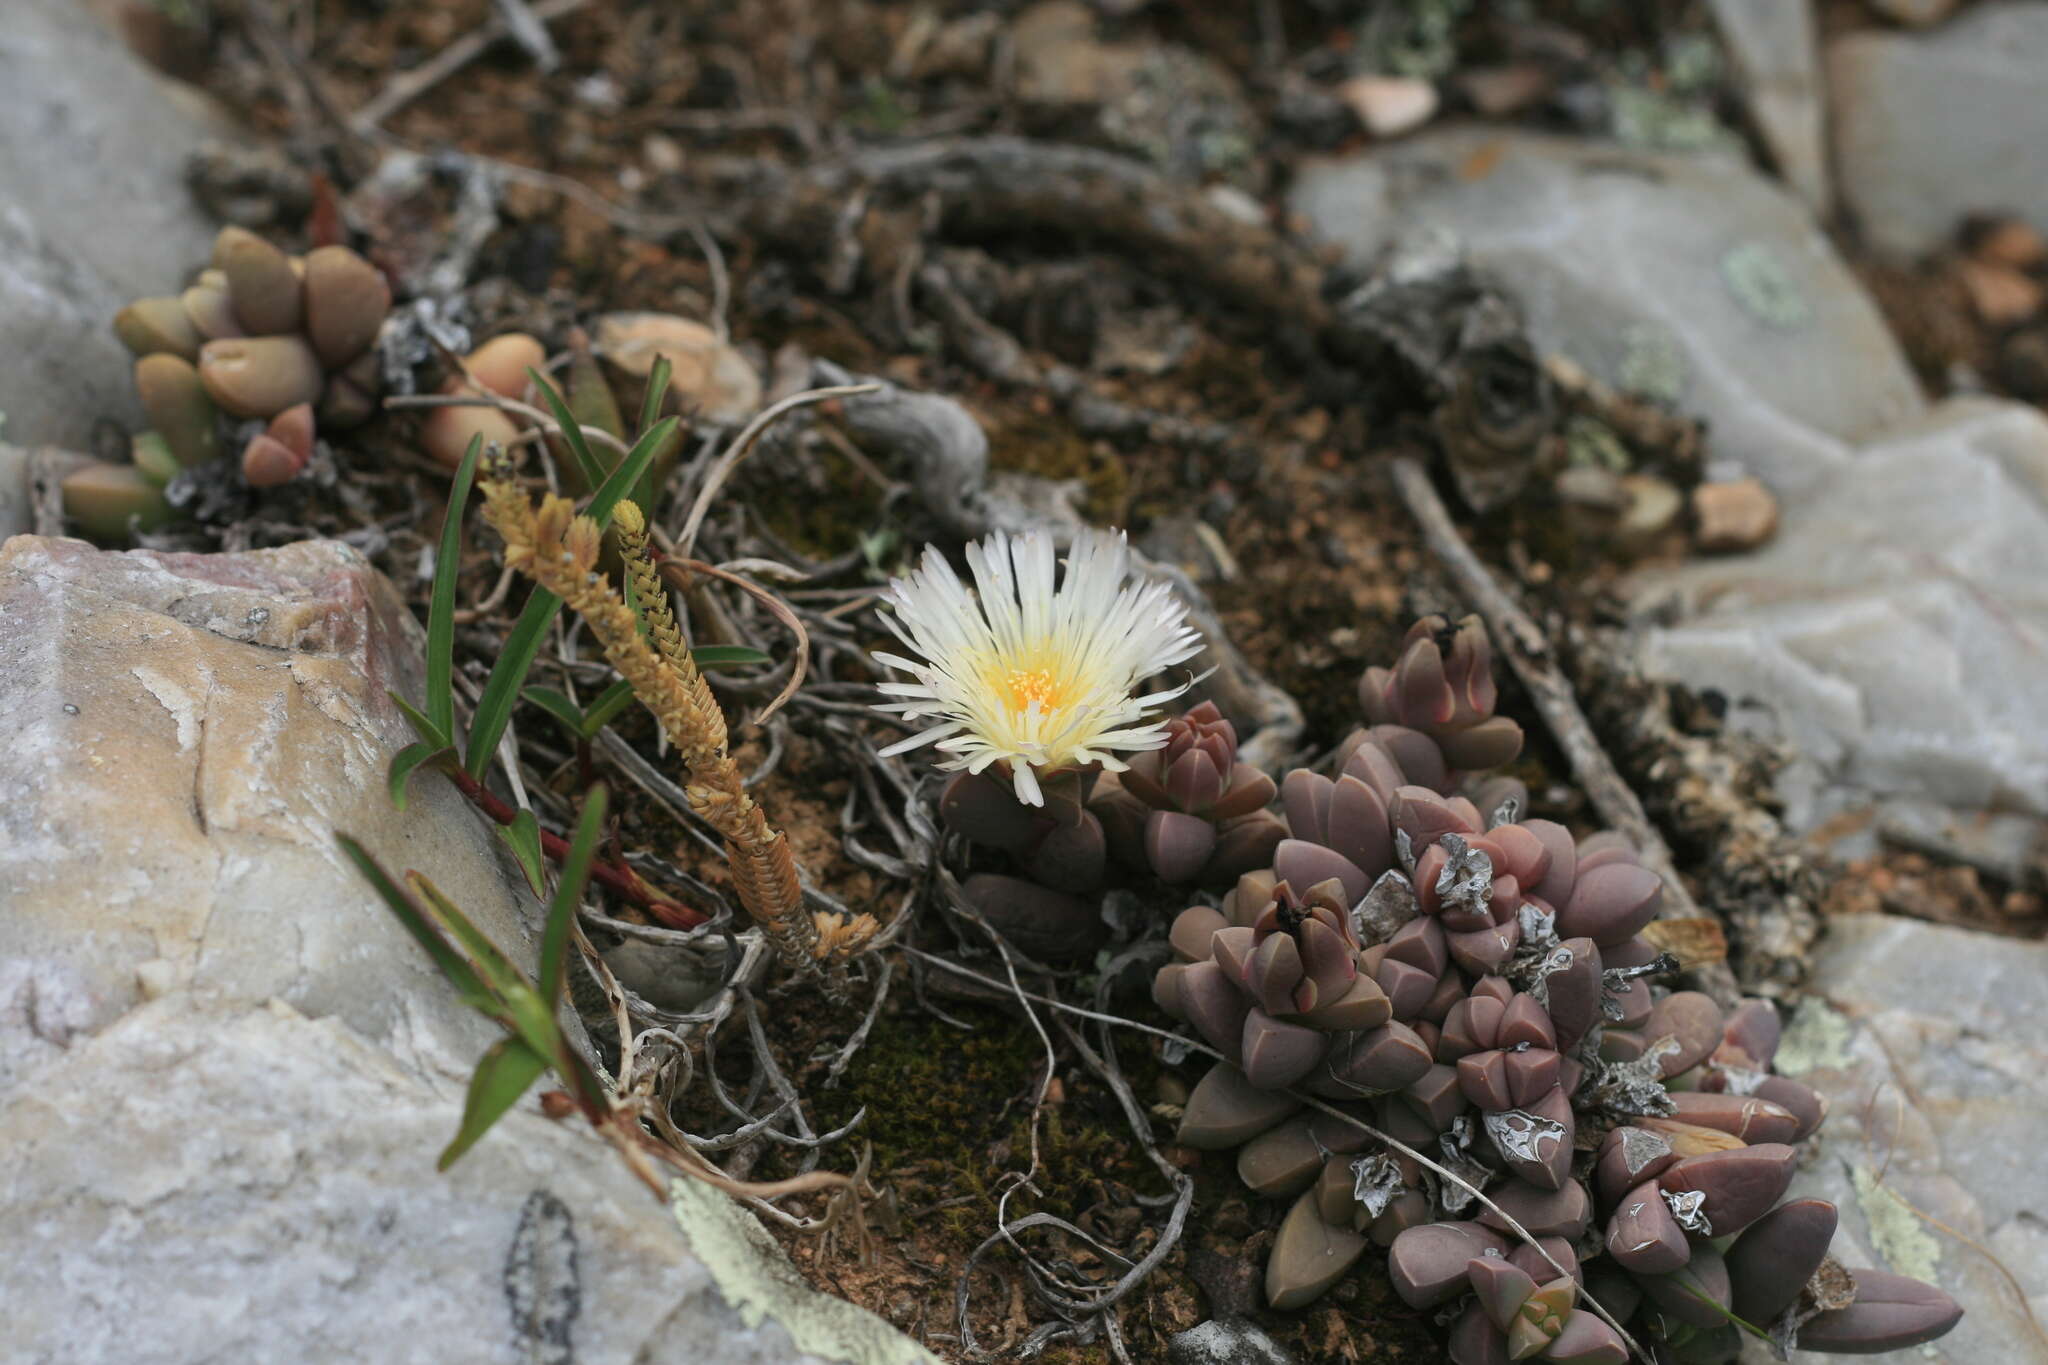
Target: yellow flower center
(1028,685)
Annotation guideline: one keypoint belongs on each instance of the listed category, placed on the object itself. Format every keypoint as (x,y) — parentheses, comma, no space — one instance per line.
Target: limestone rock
(187,732)
(1693,280)
(103,141)
(1776,58)
(212,1181)
(1891,631)
(1931,1045)
(1930,127)
(17,512)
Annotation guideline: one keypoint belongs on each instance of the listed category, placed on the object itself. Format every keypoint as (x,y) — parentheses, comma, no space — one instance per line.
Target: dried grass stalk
(559,550)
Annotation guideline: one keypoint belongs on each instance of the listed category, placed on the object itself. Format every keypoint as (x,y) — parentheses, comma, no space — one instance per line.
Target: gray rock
(210,1181)
(1778,62)
(226,1071)
(187,733)
(1931,1045)
(1929,127)
(1690,279)
(1892,632)
(16,497)
(1226,1341)
(93,153)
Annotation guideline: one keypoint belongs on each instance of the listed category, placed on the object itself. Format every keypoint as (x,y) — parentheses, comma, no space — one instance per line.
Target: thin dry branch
(1530,655)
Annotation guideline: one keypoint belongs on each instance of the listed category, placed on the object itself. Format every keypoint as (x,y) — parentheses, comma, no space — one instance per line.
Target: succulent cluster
(1474,989)
(260,337)
(1440,1025)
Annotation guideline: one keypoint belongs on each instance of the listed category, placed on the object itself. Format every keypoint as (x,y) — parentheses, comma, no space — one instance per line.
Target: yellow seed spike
(558,550)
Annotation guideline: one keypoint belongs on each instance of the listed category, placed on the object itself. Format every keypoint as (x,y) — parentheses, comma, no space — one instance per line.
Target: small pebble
(1389,106)
(1739,515)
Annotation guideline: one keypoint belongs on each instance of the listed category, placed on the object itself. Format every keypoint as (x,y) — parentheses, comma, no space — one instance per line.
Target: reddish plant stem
(621,880)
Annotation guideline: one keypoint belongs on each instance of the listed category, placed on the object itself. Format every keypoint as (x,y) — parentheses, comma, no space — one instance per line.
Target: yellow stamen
(1036,685)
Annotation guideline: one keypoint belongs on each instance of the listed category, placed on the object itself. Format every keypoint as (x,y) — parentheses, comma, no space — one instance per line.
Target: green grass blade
(523,836)
(422,725)
(572,430)
(606,708)
(458,971)
(728,656)
(508,675)
(441,610)
(559,706)
(494,708)
(629,471)
(411,759)
(503,1074)
(657,389)
(501,977)
(554,942)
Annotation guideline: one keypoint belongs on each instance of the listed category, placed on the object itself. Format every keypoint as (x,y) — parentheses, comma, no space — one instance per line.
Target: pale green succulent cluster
(259,334)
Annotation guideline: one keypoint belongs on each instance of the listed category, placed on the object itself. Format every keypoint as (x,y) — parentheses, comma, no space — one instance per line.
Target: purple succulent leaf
(1562,1212)
(1047,924)
(1226,1111)
(1643,1237)
(1776,1255)
(1278,1053)
(1273,972)
(1610,904)
(1243,845)
(1363,1005)
(985,811)
(1390,1057)
(1501,1288)
(1249,790)
(1071,857)
(1891,1312)
(1194,782)
(1492,743)
(1356,826)
(1415,754)
(1215,1005)
(1177,845)
(1586,1340)
(1428,1264)
(1302,863)
(1739,1186)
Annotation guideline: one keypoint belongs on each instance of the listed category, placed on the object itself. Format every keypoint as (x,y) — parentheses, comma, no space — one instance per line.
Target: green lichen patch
(1818,1036)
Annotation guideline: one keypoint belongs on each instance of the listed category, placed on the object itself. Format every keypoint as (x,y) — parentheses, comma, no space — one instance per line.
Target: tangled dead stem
(1021,323)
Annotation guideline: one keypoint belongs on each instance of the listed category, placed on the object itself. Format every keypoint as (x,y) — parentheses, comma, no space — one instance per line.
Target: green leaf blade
(523,837)
(411,759)
(452,964)
(554,943)
(572,430)
(504,1073)
(501,690)
(440,697)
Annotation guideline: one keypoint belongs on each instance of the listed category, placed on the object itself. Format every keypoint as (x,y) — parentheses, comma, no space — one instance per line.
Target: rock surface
(1894,630)
(187,734)
(1929,127)
(211,1181)
(1778,61)
(225,1070)
(1931,1045)
(1693,280)
(103,141)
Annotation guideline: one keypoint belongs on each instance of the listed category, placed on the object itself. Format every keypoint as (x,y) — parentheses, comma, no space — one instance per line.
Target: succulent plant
(1475,988)
(1190,811)
(261,335)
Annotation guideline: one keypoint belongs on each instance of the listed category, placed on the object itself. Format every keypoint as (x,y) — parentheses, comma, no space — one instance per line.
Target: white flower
(1028,674)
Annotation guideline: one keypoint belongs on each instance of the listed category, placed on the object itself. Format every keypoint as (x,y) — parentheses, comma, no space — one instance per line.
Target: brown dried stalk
(558,550)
